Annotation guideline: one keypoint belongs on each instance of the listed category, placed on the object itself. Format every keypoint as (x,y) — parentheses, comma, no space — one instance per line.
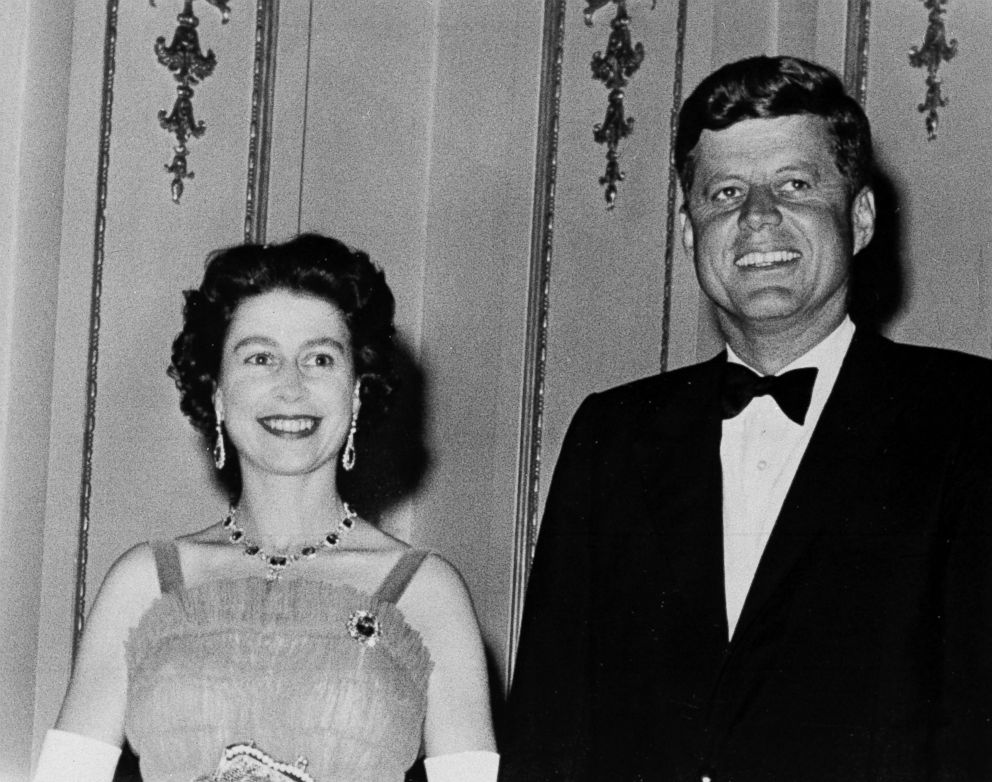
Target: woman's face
(287,383)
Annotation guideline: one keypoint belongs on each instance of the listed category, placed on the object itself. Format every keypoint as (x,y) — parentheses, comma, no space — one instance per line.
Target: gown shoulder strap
(170,569)
(394,585)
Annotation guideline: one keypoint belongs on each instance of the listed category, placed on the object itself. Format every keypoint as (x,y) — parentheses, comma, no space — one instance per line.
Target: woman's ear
(218,400)
(356,399)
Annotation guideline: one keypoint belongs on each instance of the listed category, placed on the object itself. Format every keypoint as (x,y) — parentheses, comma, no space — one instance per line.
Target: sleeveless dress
(302,668)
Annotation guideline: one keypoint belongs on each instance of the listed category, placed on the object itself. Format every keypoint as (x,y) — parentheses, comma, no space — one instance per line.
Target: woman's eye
(260,359)
(320,360)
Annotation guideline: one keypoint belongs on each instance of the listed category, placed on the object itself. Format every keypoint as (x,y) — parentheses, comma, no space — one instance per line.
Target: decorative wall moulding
(189,66)
(621,61)
(538,307)
(935,49)
(856,47)
(260,128)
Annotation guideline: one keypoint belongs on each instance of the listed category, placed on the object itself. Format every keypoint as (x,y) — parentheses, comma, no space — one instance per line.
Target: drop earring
(348,455)
(220,456)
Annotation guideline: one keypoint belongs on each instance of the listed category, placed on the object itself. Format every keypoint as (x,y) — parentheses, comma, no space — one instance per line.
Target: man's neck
(767,350)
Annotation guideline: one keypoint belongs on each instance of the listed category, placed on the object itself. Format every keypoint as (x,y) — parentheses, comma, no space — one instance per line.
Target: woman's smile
(290,426)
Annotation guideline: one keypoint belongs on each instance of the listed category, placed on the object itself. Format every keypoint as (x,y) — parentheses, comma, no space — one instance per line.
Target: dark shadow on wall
(391,454)
(876,275)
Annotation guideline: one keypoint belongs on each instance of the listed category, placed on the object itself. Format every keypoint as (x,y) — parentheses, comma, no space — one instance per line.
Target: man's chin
(769,306)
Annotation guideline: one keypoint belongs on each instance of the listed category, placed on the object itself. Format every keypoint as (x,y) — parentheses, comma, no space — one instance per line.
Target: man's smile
(765,259)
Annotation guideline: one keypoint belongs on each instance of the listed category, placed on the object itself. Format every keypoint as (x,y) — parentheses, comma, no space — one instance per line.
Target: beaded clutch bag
(247,763)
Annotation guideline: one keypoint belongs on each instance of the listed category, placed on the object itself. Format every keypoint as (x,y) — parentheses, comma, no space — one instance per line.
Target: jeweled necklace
(278,562)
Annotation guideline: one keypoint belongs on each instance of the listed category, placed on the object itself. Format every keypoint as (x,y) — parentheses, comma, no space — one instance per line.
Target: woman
(307,641)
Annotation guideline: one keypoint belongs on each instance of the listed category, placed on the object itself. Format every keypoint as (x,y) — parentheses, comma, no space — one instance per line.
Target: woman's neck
(286,511)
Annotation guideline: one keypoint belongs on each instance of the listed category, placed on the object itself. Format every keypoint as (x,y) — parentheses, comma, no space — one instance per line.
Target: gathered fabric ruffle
(292,665)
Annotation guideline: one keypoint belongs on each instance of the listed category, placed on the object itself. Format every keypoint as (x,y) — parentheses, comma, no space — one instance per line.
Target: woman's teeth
(290,425)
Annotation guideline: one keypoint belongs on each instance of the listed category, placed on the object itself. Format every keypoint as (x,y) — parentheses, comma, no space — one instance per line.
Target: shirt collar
(826,357)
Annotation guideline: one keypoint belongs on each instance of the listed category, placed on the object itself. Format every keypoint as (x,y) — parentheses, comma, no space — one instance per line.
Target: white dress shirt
(760,450)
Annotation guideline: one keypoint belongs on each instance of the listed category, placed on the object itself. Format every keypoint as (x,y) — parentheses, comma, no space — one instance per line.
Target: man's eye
(260,359)
(795,185)
(726,193)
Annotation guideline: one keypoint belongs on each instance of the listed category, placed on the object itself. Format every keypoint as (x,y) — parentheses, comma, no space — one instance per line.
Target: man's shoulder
(668,387)
(927,360)
(924,370)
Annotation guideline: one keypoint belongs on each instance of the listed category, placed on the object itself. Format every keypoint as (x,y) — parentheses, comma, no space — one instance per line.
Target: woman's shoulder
(437,597)
(436,574)
(131,583)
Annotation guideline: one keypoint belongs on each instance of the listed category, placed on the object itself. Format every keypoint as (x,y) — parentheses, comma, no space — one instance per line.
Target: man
(795,586)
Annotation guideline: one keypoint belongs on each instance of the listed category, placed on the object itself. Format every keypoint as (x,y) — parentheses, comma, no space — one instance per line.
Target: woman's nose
(290,384)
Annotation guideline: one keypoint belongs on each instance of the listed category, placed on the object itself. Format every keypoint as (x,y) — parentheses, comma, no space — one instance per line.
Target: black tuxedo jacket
(864,650)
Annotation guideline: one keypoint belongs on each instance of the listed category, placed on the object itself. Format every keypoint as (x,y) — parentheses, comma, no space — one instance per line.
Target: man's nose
(760,209)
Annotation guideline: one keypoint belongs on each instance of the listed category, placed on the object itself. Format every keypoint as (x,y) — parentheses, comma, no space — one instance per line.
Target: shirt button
(761,466)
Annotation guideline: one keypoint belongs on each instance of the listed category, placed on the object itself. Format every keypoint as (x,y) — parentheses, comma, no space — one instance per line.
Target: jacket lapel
(858,395)
(676,463)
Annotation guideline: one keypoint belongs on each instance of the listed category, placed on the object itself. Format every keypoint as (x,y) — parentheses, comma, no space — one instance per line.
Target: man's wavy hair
(768,87)
(310,265)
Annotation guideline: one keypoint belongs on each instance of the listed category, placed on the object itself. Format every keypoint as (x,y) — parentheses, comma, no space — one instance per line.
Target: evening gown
(302,668)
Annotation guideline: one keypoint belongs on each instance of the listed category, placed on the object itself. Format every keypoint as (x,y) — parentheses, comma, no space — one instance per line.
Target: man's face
(771,225)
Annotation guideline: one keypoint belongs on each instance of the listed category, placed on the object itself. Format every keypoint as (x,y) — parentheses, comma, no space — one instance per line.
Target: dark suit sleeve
(546,734)
(964,738)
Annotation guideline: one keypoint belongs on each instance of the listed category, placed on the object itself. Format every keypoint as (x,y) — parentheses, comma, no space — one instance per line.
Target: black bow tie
(792,391)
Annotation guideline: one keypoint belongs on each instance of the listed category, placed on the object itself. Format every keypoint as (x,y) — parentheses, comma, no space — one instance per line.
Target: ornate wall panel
(939,269)
(125,466)
(303,130)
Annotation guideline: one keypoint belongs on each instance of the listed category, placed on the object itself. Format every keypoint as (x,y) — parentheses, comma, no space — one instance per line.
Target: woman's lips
(293,426)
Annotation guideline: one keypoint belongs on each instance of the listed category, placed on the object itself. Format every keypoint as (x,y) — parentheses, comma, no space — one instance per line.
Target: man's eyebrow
(800,165)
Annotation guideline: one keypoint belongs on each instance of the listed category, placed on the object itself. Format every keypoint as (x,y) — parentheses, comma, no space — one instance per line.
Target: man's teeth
(290,424)
(766,258)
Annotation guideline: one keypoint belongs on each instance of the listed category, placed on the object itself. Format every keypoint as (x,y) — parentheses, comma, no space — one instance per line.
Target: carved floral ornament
(189,66)
(614,68)
(935,49)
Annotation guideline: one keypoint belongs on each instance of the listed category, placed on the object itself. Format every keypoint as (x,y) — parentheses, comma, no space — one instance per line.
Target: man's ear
(688,239)
(863,218)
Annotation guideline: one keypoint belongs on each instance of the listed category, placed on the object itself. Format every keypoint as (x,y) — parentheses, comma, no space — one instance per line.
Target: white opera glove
(69,756)
(473,766)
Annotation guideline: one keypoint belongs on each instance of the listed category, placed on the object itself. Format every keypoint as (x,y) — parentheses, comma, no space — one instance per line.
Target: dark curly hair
(769,87)
(309,264)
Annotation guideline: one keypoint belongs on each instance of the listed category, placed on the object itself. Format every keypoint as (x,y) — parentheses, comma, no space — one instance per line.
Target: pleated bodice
(302,668)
